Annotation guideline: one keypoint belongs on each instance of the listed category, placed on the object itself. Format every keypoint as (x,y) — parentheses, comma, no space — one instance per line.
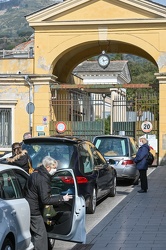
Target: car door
(69,221)
(15,208)
(105,174)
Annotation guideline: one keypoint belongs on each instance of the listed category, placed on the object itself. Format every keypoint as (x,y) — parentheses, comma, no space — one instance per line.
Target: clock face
(103,61)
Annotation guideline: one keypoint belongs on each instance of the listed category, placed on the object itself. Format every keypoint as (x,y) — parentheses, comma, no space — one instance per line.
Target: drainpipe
(30,84)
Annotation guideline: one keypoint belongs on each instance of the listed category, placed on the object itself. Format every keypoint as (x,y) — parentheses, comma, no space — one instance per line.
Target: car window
(98,158)
(9,186)
(22,179)
(112,146)
(62,183)
(62,152)
(133,147)
(86,159)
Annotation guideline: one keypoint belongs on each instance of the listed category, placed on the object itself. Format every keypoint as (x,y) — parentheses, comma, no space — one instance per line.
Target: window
(86,162)
(5,127)
(9,186)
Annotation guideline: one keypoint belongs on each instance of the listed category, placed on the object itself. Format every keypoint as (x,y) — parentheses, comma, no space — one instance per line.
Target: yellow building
(67,34)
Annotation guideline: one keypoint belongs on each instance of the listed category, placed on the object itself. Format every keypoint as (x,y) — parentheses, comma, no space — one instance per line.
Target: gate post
(162,118)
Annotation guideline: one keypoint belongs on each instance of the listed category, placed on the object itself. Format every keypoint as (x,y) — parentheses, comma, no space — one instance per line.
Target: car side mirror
(111,161)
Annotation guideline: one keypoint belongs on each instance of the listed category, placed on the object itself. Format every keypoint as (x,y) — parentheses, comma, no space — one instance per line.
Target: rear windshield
(112,146)
(61,152)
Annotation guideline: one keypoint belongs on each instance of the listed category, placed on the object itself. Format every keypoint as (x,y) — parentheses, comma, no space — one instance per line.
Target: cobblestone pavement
(137,222)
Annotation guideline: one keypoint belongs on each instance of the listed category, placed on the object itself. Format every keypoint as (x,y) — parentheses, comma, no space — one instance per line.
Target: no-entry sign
(60,127)
(146,126)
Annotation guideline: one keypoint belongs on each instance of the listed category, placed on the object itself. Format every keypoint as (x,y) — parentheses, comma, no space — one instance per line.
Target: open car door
(68,222)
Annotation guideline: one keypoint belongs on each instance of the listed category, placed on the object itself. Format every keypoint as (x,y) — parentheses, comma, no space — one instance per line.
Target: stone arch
(70,57)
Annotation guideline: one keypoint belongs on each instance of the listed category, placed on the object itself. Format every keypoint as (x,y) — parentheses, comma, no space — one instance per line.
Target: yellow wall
(16,66)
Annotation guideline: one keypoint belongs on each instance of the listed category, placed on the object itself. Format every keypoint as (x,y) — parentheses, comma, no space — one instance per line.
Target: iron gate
(81,112)
(87,114)
(128,114)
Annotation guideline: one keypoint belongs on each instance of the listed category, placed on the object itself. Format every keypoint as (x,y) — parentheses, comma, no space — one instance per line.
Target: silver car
(14,210)
(68,224)
(121,149)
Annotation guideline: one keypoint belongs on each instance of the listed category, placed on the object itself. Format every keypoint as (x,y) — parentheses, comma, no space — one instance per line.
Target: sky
(163,2)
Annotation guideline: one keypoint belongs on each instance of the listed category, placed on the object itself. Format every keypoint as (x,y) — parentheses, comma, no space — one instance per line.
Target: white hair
(49,161)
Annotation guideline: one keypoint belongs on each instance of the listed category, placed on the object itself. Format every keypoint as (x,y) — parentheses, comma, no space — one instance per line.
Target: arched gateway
(72,31)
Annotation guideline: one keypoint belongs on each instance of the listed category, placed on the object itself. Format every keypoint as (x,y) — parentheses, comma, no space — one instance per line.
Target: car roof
(7,166)
(115,136)
(57,138)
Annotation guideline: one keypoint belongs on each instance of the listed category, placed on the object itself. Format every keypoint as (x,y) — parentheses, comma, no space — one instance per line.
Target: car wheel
(92,202)
(112,192)
(51,243)
(136,181)
(7,245)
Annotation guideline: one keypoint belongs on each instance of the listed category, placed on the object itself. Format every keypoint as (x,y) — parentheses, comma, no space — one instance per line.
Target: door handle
(13,212)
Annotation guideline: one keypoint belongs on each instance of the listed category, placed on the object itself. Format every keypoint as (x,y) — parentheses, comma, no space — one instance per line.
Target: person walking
(38,194)
(142,164)
(19,157)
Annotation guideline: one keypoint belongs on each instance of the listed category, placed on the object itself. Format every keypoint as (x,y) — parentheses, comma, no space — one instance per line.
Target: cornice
(72,5)
(101,22)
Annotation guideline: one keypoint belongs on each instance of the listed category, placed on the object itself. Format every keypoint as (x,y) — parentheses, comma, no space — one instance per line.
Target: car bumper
(127,172)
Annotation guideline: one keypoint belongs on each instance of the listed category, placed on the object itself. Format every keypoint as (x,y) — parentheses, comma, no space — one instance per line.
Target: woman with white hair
(38,194)
(142,164)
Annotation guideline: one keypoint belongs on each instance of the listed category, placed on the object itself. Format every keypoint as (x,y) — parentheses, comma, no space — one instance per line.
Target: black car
(95,177)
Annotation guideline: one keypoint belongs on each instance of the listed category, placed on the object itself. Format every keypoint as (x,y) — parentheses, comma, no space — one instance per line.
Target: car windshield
(63,153)
(112,146)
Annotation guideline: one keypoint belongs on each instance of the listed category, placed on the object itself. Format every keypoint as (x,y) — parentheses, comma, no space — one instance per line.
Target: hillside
(13,25)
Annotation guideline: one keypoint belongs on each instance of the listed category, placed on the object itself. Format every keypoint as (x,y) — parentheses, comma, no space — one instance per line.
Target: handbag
(31,170)
(48,213)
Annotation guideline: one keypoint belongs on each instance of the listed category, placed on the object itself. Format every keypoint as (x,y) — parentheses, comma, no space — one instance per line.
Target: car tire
(92,202)
(112,192)
(51,243)
(8,245)
(136,181)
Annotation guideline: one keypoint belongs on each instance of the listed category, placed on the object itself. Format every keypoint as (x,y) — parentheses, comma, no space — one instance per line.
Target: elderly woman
(142,164)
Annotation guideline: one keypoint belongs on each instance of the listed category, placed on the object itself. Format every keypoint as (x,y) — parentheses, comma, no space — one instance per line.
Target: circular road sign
(30,108)
(146,126)
(60,127)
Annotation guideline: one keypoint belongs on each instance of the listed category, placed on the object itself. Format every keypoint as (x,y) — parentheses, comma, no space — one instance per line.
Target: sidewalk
(138,222)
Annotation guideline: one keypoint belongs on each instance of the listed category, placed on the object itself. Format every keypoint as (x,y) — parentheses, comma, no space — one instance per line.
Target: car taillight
(128,162)
(81,179)
(67,179)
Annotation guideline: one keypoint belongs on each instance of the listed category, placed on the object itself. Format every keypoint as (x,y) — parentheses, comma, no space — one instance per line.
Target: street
(103,208)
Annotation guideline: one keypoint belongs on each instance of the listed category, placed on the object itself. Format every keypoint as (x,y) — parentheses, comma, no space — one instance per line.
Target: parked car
(14,210)
(68,224)
(95,177)
(122,149)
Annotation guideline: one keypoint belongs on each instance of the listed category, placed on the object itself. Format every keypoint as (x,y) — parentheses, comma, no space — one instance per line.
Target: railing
(17,53)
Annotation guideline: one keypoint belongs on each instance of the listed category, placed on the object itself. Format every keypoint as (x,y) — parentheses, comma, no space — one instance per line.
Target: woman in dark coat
(19,157)
(142,164)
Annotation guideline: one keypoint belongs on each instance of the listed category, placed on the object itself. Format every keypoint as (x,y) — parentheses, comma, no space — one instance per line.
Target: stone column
(162,118)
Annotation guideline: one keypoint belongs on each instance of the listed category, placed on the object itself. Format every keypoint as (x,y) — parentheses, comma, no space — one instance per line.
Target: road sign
(146,126)
(30,108)
(60,127)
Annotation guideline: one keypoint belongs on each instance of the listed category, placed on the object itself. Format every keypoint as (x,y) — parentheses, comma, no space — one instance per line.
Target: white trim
(9,104)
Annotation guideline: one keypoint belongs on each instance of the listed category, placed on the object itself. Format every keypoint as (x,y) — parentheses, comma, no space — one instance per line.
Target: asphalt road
(103,208)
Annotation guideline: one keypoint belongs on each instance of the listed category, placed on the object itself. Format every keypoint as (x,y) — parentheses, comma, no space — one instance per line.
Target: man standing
(142,164)
(38,194)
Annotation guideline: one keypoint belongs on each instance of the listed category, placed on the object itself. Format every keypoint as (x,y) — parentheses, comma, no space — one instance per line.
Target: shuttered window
(5,127)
